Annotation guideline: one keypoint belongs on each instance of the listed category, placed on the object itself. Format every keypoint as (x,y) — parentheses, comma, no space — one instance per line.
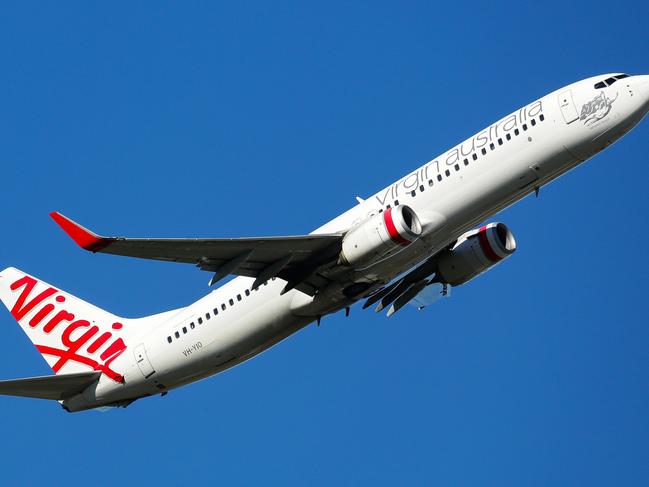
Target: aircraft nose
(642,85)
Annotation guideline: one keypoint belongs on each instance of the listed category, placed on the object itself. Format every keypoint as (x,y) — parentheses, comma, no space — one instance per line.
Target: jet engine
(380,235)
(475,252)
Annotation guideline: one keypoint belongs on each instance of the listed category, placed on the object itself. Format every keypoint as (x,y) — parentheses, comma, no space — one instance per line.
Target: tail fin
(72,336)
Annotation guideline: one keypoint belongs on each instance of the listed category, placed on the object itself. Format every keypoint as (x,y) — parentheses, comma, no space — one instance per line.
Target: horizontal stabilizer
(56,387)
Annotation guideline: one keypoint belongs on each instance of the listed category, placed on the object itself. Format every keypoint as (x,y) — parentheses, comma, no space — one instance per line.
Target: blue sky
(267,118)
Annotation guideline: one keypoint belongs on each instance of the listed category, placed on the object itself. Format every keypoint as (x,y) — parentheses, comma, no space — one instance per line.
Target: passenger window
(412,193)
(232,300)
(466,162)
(248,290)
(533,122)
(430,182)
(421,188)
(516,132)
(191,325)
(238,297)
(216,311)
(541,117)
(457,167)
(509,136)
(447,172)
(484,151)
(439,177)
(524,126)
(396,202)
(184,329)
(200,321)
(177,334)
(475,157)
(169,339)
(223,306)
(207,316)
(492,146)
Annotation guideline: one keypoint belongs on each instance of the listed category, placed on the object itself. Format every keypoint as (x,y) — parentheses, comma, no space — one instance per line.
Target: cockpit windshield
(610,81)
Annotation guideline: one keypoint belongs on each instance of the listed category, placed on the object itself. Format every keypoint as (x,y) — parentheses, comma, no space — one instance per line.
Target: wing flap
(56,387)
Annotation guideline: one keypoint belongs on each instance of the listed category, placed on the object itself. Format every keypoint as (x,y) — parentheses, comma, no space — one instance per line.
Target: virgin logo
(71,347)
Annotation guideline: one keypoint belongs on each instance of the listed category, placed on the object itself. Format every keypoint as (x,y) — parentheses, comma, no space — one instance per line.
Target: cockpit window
(610,81)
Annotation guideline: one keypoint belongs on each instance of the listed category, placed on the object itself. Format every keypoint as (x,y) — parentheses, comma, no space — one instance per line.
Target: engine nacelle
(380,235)
(474,253)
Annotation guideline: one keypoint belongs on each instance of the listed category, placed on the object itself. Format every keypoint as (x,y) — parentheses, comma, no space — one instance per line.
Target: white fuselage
(450,194)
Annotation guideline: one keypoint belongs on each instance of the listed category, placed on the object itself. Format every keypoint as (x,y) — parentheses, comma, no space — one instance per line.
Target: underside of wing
(293,258)
(420,287)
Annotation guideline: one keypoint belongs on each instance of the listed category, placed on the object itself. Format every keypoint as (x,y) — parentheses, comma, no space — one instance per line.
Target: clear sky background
(267,118)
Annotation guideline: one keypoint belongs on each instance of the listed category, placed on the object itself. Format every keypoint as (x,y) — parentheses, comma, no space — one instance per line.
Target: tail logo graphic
(75,333)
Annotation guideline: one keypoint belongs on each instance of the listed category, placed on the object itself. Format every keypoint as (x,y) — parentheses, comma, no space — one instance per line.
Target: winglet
(83,237)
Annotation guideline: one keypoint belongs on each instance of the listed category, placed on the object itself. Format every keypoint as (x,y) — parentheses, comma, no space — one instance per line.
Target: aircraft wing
(294,258)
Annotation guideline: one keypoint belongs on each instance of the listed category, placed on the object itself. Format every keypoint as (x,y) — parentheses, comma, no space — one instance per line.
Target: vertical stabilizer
(72,336)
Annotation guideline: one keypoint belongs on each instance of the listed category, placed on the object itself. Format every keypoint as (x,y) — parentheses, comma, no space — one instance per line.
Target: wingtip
(83,237)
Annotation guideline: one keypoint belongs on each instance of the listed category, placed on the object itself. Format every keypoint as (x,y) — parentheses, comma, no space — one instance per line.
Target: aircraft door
(143,361)
(567,105)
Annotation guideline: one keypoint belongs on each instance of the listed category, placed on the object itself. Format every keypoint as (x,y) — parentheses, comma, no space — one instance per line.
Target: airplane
(409,243)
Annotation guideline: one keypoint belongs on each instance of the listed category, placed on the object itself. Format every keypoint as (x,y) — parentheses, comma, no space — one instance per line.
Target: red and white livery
(407,244)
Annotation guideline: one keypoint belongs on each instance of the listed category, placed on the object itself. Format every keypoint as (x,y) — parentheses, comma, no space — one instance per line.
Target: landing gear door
(143,361)
(567,105)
